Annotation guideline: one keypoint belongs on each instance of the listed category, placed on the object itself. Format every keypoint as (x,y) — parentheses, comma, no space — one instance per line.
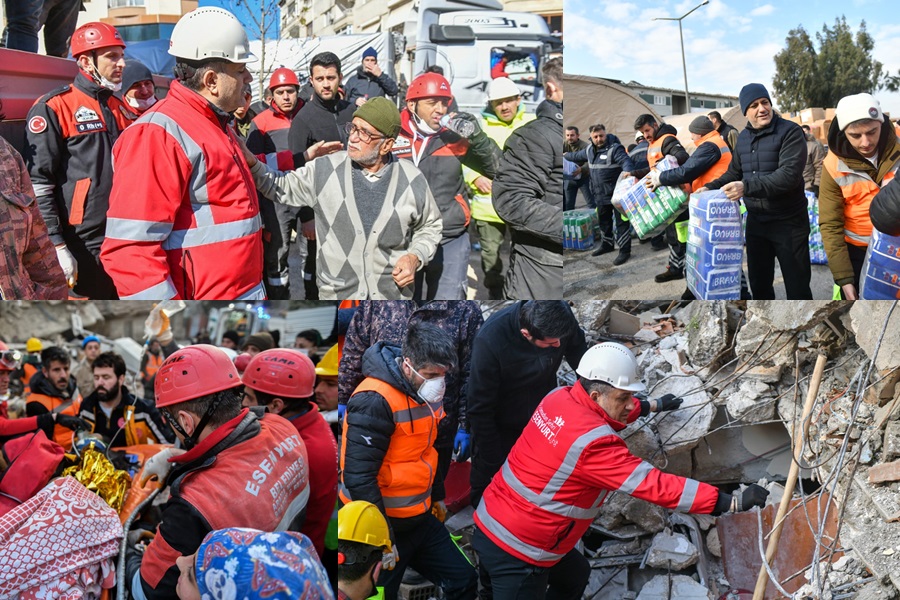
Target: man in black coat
(767,172)
(515,358)
(321,119)
(885,209)
(527,195)
(607,159)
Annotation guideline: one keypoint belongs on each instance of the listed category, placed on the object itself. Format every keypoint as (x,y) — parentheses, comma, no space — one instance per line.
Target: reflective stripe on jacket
(858,189)
(718,169)
(407,472)
(61,435)
(186,224)
(567,460)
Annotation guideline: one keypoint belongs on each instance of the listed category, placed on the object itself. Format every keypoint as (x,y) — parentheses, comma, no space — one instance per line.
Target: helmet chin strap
(191,440)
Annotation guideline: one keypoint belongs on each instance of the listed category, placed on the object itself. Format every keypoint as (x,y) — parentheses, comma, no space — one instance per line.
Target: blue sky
(239,8)
(728,43)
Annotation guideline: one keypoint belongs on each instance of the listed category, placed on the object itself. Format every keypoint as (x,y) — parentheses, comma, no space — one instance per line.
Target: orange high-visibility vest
(153,364)
(718,169)
(655,154)
(61,435)
(410,464)
(858,189)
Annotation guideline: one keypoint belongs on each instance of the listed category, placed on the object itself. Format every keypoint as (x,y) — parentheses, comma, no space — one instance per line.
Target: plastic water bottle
(462,127)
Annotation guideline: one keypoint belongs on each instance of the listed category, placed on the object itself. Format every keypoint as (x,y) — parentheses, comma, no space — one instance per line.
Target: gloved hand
(439,510)
(342,410)
(471,119)
(461,445)
(73,423)
(68,264)
(159,465)
(754,495)
(652,180)
(390,558)
(668,402)
(140,536)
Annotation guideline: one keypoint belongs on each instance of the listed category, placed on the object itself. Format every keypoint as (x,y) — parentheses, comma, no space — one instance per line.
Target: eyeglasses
(363,135)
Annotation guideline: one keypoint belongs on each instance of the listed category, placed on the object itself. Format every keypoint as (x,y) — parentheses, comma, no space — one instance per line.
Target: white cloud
(762,11)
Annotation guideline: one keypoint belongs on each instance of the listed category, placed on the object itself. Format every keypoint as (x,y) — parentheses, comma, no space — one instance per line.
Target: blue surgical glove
(342,410)
(461,445)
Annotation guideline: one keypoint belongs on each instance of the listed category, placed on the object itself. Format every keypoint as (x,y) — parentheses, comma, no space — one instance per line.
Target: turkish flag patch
(37,124)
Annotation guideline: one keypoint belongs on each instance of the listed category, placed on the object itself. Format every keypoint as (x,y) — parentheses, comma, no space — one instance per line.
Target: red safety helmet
(283,76)
(93,36)
(281,372)
(429,85)
(9,359)
(193,372)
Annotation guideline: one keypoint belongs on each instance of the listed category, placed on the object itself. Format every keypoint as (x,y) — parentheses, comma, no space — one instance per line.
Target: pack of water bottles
(816,245)
(880,279)
(579,227)
(649,212)
(715,248)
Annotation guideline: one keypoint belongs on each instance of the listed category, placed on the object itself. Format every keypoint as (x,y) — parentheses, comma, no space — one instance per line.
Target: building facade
(668,102)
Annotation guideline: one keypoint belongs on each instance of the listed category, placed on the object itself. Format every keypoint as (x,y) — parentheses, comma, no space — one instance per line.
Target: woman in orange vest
(859,135)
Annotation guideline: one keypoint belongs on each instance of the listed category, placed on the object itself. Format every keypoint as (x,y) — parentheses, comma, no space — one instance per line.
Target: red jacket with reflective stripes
(568,459)
(183,218)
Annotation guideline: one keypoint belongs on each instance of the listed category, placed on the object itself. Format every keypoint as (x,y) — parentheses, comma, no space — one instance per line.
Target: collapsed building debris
(744,370)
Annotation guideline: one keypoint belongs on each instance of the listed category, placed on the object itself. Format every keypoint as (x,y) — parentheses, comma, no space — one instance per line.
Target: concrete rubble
(744,370)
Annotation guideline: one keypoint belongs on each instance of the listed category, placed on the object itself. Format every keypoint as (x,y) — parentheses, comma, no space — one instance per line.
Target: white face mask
(431,390)
(422,125)
(140,104)
(303,351)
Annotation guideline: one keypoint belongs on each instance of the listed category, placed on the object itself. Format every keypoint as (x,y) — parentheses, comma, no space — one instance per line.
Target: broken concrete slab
(708,335)
(682,429)
(607,583)
(868,319)
(682,587)
(759,344)
(649,517)
(622,323)
(592,315)
(891,443)
(713,544)
(794,316)
(751,401)
(672,551)
(645,335)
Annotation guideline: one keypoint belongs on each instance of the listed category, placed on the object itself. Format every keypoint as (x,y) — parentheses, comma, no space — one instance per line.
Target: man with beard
(112,409)
(327,388)
(375,214)
(53,391)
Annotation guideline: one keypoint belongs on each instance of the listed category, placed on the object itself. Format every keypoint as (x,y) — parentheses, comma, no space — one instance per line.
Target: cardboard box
(829,113)
(808,115)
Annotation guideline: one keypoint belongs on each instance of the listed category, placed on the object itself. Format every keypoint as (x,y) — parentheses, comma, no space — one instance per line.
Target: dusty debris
(672,551)
(713,544)
(885,472)
(680,586)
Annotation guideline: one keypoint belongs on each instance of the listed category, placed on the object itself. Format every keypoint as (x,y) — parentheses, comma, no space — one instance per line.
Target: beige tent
(591,100)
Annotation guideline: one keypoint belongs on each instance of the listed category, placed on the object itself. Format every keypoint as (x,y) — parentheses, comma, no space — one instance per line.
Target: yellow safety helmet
(328,366)
(33,345)
(361,521)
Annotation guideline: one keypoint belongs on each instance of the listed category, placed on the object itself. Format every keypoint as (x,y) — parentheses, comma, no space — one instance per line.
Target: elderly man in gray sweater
(376,220)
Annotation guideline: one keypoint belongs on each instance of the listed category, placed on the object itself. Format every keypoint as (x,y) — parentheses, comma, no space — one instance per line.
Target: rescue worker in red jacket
(269,136)
(70,136)
(238,470)
(440,154)
(388,457)
(281,380)
(568,460)
(196,204)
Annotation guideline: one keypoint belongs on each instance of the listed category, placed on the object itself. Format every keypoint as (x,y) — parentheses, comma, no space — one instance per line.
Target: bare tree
(264,23)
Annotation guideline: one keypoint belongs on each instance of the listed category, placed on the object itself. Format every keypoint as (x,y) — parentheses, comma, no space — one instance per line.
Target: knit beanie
(858,107)
(370,51)
(750,93)
(381,114)
(262,340)
(134,72)
(701,125)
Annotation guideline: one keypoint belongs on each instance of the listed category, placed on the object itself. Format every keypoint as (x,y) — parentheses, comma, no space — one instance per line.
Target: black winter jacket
(884,211)
(509,377)
(318,121)
(527,195)
(670,147)
(638,155)
(606,163)
(770,163)
(366,85)
(702,160)
(370,425)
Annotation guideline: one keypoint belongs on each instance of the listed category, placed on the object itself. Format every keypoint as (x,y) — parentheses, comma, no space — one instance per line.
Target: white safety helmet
(613,364)
(502,87)
(210,32)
